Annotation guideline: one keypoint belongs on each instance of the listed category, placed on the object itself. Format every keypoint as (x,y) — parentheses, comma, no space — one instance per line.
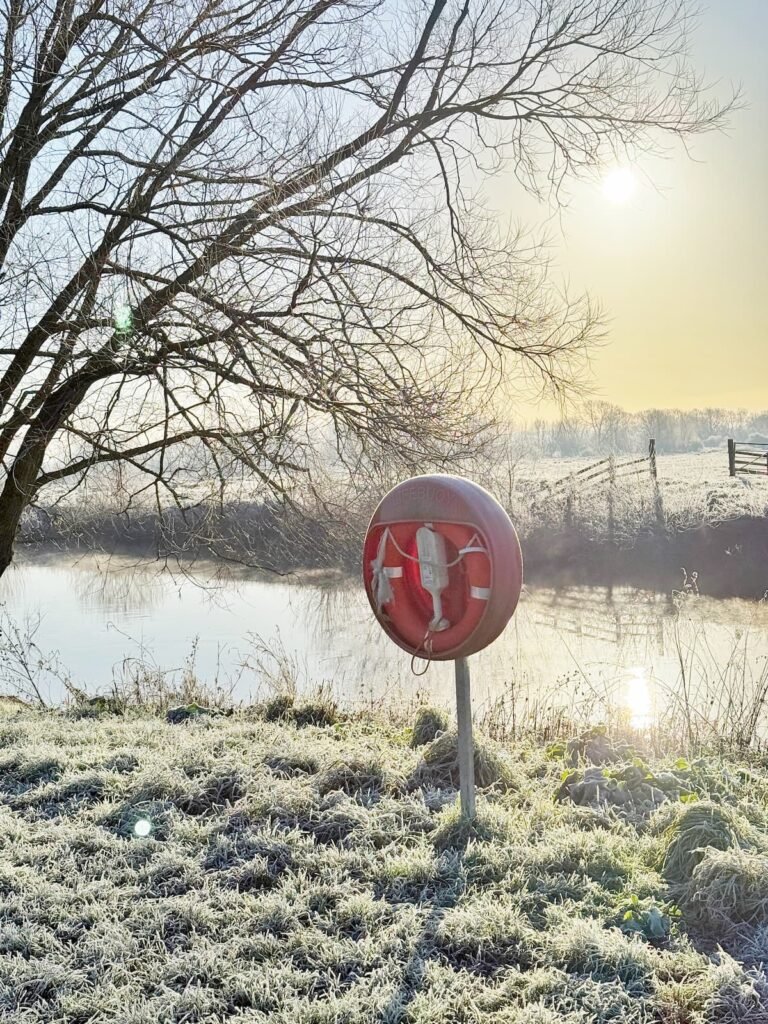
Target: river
(578,648)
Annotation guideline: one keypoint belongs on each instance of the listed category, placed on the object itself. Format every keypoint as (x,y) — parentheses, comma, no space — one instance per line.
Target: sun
(619,185)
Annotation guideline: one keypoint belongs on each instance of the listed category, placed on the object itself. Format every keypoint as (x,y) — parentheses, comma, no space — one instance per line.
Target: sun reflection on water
(638,698)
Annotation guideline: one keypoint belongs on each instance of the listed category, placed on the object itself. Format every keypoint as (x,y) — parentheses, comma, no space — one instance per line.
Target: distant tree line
(601,428)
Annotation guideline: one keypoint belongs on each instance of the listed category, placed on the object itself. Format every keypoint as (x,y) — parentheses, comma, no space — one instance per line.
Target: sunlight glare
(619,185)
(142,827)
(638,699)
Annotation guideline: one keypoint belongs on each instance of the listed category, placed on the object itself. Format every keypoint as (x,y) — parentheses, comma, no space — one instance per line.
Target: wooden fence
(747,457)
(607,472)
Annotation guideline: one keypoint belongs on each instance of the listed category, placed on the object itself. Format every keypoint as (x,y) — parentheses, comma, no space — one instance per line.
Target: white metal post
(466,747)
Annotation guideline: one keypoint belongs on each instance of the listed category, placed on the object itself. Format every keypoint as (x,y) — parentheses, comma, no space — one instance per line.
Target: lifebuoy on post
(442,567)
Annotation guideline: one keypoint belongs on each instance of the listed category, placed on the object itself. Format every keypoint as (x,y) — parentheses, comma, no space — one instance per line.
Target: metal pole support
(466,747)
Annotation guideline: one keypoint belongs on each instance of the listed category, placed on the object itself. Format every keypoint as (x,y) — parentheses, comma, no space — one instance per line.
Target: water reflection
(109,591)
(585,647)
(613,615)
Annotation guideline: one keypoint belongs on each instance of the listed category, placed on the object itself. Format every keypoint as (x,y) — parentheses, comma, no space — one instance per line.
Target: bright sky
(676,250)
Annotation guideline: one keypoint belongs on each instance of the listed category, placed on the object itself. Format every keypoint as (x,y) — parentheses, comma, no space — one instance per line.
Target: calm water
(577,646)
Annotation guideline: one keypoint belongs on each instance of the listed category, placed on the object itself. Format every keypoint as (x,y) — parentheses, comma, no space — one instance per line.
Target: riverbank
(730,557)
(625,535)
(285,871)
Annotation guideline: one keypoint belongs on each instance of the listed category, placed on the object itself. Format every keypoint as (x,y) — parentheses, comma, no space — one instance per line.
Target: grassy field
(695,490)
(238,868)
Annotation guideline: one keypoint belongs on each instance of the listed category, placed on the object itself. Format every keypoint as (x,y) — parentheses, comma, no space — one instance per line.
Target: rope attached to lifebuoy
(382,574)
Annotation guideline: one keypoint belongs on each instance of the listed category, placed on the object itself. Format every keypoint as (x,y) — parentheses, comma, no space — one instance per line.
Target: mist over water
(580,648)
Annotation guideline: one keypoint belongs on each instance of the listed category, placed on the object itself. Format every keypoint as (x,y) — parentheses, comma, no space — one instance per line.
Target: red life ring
(474,552)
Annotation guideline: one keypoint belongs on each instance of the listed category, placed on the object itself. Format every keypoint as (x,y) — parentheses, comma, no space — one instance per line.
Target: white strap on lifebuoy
(381,588)
(481,593)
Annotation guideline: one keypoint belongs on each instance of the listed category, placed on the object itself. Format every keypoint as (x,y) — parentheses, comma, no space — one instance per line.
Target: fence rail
(744,458)
(608,471)
(751,459)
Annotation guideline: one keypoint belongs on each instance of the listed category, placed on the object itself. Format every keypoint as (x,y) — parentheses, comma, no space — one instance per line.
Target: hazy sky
(681,267)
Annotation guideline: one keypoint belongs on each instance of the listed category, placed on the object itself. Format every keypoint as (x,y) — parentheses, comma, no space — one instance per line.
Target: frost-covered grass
(695,490)
(303,873)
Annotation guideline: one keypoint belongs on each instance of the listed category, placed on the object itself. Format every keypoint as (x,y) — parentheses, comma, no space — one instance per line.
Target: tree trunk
(12,504)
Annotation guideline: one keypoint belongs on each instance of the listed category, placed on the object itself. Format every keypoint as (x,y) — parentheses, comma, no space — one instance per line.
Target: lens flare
(142,827)
(123,318)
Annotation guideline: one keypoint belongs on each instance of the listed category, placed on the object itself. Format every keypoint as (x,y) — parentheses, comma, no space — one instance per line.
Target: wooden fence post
(568,513)
(657,502)
(731,456)
(611,498)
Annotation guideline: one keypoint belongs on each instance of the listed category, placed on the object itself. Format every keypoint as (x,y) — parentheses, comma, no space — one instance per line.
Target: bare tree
(232,229)
(609,425)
